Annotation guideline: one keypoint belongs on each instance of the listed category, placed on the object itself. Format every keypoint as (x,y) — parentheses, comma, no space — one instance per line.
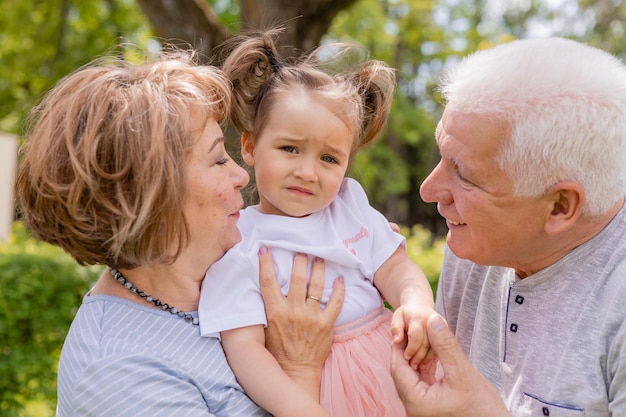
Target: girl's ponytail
(250,65)
(375,82)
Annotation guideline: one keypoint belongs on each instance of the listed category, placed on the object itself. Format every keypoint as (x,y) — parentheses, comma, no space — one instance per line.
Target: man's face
(487,224)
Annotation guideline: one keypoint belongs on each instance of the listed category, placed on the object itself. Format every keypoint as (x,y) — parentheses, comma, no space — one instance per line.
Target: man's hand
(456,389)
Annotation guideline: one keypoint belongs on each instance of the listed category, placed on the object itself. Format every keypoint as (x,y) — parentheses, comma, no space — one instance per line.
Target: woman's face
(214,183)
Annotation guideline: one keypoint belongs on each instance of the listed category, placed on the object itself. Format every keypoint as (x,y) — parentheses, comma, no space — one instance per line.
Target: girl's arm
(404,285)
(263,379)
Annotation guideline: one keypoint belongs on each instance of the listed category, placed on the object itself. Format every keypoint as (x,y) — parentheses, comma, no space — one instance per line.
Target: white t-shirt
(351,236)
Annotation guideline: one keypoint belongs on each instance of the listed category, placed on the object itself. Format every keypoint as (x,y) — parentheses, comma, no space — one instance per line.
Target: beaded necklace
(165,307)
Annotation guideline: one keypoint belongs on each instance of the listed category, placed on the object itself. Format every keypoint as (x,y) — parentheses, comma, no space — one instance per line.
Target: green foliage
(42,41)
(227,12)
(425,251)
(41,288)
(391,171)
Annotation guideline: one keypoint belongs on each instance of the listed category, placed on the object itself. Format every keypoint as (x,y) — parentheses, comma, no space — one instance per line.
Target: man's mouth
(455,223)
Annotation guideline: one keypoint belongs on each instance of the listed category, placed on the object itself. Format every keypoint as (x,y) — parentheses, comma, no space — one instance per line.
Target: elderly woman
(125,166)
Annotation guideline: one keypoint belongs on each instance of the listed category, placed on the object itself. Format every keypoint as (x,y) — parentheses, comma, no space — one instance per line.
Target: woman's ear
(566,207)
(247,148)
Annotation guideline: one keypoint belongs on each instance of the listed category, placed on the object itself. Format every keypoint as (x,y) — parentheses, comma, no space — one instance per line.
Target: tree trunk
(185,23)
(193,23)
(305,21)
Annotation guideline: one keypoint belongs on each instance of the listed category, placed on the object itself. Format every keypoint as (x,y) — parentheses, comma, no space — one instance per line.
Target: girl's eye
(289,149)
(329,159)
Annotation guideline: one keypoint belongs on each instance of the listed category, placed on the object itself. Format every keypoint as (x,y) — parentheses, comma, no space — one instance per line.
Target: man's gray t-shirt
(554,343)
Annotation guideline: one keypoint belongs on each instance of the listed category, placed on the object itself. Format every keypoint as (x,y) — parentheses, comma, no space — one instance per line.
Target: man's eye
(462,178)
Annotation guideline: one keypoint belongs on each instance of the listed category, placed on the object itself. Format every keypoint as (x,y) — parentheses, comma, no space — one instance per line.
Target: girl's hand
(409,321)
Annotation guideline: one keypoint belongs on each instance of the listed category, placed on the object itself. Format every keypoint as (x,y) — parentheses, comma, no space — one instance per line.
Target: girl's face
(213,189)
(300,157)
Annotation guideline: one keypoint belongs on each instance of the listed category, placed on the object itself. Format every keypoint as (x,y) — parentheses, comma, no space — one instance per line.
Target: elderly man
(531,183)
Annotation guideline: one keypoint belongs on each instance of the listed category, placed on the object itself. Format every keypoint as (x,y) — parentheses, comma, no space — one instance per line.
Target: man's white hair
(565,104)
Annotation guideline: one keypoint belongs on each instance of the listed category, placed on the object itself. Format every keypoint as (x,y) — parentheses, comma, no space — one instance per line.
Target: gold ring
(314,298)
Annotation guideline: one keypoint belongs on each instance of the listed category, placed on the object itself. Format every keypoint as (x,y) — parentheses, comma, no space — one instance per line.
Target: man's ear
(566,207)
(247,148)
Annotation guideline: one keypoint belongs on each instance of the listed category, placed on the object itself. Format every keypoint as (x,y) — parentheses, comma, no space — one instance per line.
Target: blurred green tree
(41,288)
(42,41)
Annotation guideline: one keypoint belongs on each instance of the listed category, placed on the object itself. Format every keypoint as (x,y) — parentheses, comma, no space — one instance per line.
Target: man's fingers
(453,361)
(430,356)
(404,377)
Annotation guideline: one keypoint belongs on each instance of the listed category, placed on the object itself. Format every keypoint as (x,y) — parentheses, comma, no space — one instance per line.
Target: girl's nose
(306,170)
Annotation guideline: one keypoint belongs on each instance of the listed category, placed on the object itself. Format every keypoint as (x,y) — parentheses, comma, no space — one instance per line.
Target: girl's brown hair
(360,94)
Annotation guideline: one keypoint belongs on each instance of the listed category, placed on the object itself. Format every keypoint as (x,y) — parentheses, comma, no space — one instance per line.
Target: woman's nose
(240,176)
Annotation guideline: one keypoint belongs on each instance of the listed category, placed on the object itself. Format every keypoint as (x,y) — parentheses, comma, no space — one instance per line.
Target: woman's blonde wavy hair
(102,171)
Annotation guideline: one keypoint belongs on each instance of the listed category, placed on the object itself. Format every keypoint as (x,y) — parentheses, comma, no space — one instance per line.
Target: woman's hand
(299,333)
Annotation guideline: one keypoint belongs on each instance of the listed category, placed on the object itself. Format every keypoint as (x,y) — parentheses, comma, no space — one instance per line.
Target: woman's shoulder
(113,342)
(113,326)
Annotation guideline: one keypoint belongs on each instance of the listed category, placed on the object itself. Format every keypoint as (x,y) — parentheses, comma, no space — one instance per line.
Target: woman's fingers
(298,335)
(270,290)
(297,287)
(315,290)
(333,307)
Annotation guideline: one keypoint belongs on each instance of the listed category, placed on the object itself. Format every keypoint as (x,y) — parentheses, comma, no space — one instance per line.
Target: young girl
(300,129)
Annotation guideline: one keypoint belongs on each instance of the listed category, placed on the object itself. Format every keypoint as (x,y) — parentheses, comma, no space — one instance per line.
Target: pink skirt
(356,379)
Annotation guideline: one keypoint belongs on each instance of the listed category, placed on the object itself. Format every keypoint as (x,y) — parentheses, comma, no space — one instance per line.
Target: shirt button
(513,327)
(545,411)
(519,299)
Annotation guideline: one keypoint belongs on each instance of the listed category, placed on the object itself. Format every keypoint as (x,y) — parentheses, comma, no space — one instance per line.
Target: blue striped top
(124,359)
